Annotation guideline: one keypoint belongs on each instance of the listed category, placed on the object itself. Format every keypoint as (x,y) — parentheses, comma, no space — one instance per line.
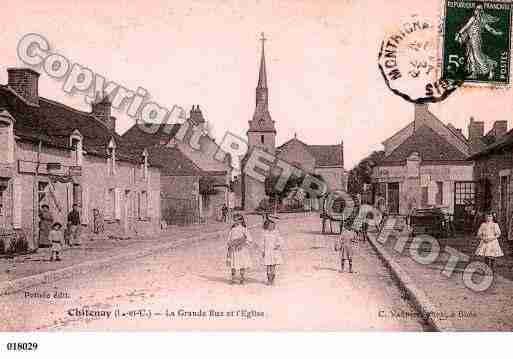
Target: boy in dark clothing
(74,225)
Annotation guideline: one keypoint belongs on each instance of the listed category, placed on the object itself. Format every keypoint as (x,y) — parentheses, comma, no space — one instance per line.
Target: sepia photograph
(292,166)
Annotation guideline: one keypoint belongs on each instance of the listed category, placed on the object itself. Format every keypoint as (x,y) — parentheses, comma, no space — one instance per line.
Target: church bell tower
(262,132)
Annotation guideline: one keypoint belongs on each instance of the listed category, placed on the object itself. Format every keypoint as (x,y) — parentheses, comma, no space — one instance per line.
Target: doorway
(393,197)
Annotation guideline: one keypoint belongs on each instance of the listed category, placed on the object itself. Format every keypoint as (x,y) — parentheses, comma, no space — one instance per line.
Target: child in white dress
(238,257)
(57,239)
(489,247)
(272,249)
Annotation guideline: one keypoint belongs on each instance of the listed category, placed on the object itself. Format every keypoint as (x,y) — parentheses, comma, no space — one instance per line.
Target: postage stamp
(476,42)
(409,62)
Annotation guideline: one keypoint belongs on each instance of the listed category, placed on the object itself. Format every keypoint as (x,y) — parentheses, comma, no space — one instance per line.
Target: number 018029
(22,346)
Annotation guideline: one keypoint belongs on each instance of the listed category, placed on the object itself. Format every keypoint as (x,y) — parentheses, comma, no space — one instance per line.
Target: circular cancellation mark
(408,62)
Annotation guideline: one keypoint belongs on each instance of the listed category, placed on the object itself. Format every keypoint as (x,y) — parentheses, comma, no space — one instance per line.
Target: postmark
(477,42)
(408,61)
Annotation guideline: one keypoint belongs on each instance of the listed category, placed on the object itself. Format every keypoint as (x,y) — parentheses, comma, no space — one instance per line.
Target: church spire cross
(263,39)
(262,75)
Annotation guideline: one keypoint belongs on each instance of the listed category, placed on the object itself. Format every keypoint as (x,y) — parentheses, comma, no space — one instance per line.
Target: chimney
(25,82)
(111,124)
(102,111)
(475,130)
(197,115)
(420,114)
(342,152)
(500,128)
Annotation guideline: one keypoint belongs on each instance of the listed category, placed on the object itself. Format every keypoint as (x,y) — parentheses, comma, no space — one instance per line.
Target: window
(2,190)
(144,165)
(262,138)
(439,197)
(425,196)
(109,204)
(143,205)
(6,139)
(76,146)
(41,190)
(111,160)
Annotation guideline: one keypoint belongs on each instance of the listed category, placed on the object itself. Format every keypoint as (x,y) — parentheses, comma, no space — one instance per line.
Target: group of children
(239,243)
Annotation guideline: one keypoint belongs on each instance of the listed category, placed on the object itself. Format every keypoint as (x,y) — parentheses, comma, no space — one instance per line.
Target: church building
(325,160)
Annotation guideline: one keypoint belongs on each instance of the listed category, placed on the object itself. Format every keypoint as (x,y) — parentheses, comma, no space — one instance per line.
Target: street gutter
(420,300)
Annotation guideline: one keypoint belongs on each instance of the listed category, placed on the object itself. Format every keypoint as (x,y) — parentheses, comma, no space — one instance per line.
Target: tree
(362,172)
(293,183)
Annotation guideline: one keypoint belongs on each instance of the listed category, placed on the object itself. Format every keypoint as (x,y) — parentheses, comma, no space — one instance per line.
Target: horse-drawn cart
(436,222)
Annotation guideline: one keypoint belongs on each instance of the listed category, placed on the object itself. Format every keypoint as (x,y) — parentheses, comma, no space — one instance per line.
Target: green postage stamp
(476,42)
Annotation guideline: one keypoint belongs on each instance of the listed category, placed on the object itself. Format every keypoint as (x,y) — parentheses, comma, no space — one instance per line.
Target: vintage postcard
(255,166)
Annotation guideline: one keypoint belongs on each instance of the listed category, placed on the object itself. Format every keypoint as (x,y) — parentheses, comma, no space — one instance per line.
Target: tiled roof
(53,123)
(325,155)
(430,146)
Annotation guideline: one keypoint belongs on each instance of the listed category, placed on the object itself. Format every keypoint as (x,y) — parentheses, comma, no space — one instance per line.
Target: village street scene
(170,218)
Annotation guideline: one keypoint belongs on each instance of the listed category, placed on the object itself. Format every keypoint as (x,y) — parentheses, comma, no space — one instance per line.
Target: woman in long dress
(45,224)
(478,63)
(273,243)
(238,257)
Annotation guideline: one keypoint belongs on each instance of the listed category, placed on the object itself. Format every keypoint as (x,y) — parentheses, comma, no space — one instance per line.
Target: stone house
(324,160)
(194,184)
(493,172)
(426,164)
(56,155)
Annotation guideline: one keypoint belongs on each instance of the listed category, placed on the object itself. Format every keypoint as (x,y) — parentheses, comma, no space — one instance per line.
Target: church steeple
(262,121)
(262,75)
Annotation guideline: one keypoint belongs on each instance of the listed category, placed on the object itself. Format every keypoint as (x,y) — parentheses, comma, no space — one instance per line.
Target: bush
(18,244)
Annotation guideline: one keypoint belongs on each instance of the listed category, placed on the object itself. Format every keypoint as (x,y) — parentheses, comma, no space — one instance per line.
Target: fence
(180,211)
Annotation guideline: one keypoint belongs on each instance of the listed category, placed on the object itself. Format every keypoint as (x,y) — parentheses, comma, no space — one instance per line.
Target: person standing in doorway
(45,225)
(238,256)
(224,213)
(74,226)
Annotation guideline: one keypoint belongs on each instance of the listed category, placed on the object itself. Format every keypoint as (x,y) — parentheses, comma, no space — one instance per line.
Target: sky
(321,58)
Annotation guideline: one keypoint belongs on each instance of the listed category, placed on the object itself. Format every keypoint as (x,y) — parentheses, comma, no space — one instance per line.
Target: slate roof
(53,123)
(430,146)
(325,155)
(504,142)
(173,162)
(140,138)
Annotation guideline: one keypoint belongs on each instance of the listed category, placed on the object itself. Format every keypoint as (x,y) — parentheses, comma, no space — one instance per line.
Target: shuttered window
(85,205)
(109,204)
(17,189)
(117,203)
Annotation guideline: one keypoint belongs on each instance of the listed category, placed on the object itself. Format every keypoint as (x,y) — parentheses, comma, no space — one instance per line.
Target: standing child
(239,240)
(344,245)
(272,249)
(489,247)
(57,238)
